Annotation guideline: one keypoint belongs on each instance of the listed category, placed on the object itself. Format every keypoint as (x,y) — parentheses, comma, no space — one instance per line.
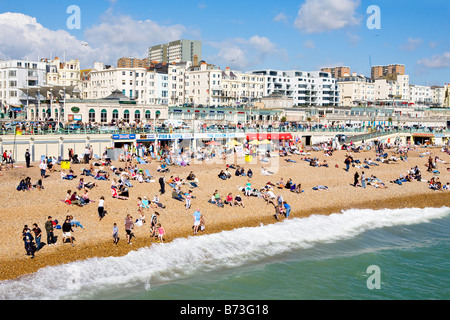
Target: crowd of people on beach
(128,171)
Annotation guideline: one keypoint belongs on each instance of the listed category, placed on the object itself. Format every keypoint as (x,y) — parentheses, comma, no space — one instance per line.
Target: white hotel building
(306,88)
(139,84)
(208,85)
(356,90)
(18,78)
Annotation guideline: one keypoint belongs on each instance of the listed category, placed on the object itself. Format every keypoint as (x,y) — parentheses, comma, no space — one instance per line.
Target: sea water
(355,254)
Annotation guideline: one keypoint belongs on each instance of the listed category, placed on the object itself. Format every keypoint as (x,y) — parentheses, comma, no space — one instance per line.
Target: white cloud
(317,16)
(412,44)
(281,17)
(436,62)
(240,53)
(309,44)
(22,36)
(123,36)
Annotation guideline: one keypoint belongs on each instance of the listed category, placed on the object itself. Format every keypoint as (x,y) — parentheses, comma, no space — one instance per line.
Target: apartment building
(337,72)
(203,85)
(103,80)
(132,62)
(356,90)
(446,96)
(393,89)
(389,72)
(176,51)
(19,80)
(421,95)
(306,88)
(437,96)
(63,73)
(138,84)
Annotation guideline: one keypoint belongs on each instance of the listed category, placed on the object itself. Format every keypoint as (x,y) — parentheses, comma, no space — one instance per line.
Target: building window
(92,115)
(103,116)
(115,115)
(126,115)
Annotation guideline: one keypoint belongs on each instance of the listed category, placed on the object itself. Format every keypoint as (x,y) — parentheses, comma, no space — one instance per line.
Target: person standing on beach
(356,179)
(162,185)
(37,236)
(129,225)
(154,224)
(363,180)
(161,233)
(67,231)
(101,208)
(49,229)
(347,162)
(188,197)
(27,158)
(28,241)
(287,208)
(43,168)
(248,188)
(115,234)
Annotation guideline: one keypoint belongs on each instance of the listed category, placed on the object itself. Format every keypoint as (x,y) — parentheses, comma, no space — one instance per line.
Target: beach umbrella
(254,142)
(265,142)
(235,143)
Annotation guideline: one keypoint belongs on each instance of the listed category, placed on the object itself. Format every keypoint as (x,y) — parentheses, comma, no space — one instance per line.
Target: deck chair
(147,174)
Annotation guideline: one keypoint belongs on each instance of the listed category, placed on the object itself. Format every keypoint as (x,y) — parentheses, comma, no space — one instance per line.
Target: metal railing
(365,133)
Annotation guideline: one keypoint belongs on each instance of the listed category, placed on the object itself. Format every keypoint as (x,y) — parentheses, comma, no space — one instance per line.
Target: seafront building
(305,88)
(176,51)
(389,72)
(337,72)
(17,79)
(356,90)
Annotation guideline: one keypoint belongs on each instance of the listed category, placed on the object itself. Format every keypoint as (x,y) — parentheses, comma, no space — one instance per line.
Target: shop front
(122,140)
(423,138)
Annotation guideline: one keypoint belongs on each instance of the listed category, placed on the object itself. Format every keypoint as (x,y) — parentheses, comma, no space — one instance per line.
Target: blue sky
(244,35)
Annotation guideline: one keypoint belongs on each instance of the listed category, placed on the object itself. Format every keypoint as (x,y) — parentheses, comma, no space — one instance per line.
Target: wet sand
(20,208)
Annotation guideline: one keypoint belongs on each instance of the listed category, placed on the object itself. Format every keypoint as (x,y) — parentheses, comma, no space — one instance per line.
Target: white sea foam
(184,257)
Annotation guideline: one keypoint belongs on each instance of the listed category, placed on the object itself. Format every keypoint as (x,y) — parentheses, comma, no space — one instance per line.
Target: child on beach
(188,197)
(197,215)
(161,233)
(115,234)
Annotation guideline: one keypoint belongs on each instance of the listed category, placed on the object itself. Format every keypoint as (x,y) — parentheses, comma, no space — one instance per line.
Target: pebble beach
(19,208)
